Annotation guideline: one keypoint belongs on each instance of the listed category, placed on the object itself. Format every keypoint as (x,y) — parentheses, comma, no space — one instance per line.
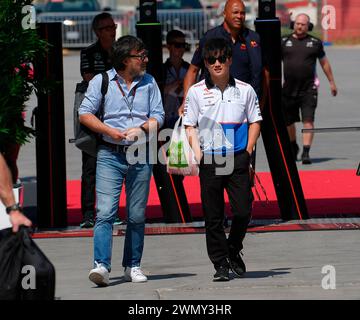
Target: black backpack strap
(104,83)
(104,89)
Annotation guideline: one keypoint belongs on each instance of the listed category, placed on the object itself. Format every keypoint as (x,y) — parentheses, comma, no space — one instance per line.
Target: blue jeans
(111,172)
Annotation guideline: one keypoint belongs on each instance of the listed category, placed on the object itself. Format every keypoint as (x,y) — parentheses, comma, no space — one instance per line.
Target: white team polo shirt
(222,117)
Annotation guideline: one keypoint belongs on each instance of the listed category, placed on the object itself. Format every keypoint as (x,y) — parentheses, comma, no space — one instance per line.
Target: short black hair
(122,48)
(217,45)
(98,18)
(174,34)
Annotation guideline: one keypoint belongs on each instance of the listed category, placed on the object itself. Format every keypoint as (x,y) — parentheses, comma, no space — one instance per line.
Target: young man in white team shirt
(226,112)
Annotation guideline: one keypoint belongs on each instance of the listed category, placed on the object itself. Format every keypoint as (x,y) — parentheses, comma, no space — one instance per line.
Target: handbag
(25,272)
(181,158)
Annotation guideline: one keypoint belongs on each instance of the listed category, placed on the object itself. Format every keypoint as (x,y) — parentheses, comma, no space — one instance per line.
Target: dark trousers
(88,186)
(238,188)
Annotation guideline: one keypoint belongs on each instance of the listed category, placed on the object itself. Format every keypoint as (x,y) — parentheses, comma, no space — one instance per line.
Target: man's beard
(138,73)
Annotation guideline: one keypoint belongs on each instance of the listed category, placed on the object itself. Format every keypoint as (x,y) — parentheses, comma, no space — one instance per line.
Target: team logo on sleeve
(243,46)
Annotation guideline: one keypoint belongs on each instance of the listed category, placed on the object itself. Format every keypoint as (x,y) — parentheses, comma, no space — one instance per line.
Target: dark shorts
(306,103)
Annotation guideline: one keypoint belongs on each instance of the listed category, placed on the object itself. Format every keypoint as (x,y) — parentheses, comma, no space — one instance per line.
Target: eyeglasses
(179,45)
(142,56)
(212,60)
(108,28)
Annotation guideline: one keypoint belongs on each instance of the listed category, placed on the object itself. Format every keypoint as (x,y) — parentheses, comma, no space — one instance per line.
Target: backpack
(26,273)
(85,139)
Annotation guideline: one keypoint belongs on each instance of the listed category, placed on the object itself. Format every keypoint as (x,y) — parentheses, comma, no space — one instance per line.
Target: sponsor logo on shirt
(309,44)
(288,43)
(243,46)
(253,44)
(207,92)
(236,94)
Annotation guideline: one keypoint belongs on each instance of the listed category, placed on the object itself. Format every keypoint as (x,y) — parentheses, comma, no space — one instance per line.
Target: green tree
(19,48)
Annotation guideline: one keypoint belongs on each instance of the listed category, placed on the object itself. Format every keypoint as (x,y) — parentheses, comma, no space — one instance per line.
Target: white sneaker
(134,275)
(99,275)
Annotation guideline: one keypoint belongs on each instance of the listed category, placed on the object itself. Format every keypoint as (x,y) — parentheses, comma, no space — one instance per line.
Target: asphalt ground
(280,266)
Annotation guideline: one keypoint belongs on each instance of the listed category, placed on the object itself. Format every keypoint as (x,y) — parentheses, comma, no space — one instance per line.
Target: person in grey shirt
(132,110)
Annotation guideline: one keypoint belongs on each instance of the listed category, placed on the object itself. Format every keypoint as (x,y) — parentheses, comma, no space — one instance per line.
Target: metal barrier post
(50,134)
(275,136)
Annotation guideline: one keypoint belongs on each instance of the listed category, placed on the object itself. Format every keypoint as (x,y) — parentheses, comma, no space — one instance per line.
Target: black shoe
(305,158)
(222,274)
(87,223)
(237,264)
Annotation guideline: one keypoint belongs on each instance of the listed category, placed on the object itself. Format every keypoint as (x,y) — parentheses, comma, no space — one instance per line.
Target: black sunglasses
(179,45)
(108,28)
(221,59)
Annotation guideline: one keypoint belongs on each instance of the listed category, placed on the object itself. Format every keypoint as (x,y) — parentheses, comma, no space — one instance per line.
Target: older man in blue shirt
(132,109)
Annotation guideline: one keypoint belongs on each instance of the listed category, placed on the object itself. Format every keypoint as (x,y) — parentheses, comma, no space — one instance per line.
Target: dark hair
(174,34)
(98,18)
(121,49)
(217,45)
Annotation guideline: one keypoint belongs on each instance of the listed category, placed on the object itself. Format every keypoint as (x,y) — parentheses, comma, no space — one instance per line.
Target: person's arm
(189,80)
(254,117)
(90,106)
(325,64)
(7,197)
(94,124)
(253,135)
(191,134)
(190,120)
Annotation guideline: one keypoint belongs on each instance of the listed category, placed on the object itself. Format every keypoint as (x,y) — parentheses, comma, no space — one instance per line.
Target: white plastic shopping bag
(181,159)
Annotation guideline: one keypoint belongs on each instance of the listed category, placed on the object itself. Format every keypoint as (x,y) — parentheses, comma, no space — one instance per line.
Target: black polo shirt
(94,59)
(246,61)
(299,57)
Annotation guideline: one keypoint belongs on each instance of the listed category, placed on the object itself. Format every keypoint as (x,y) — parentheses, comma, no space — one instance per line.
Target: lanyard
(129,105)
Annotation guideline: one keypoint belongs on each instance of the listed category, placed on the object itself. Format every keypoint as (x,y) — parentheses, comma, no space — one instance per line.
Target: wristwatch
(14,207)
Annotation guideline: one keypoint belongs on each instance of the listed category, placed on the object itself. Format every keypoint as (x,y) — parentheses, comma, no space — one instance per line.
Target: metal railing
(77,32)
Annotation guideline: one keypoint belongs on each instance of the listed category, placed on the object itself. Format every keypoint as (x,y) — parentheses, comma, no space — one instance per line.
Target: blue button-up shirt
(144,96)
